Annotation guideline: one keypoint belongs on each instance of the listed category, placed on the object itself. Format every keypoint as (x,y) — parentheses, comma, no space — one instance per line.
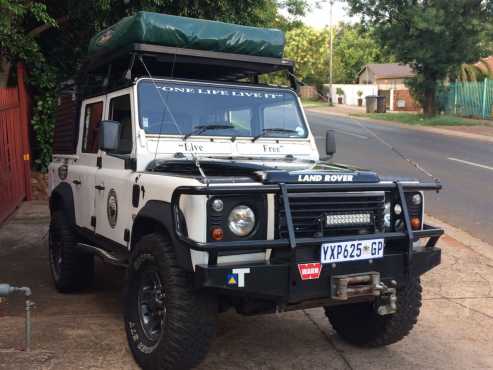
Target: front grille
(309,213)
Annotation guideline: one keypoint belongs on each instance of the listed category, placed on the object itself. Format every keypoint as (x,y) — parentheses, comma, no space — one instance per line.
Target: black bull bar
(284,191)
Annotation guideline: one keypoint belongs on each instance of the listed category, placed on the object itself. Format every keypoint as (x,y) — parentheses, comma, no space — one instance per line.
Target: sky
(319,17)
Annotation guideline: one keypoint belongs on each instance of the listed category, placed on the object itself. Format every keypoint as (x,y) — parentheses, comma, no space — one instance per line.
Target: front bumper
(277,282)
(282,281)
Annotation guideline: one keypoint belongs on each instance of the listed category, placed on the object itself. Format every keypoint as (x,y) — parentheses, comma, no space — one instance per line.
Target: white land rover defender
(208,188)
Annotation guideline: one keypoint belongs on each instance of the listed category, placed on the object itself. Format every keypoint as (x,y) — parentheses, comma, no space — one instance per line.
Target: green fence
(470,99)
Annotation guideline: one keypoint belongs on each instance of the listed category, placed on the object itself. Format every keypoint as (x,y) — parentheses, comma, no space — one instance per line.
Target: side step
(112,258)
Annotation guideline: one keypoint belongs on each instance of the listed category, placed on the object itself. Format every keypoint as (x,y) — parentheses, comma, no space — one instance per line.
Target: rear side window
(92,117)
(120,111)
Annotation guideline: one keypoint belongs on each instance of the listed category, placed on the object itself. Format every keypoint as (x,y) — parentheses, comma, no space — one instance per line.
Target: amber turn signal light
(217,233)
(415,223)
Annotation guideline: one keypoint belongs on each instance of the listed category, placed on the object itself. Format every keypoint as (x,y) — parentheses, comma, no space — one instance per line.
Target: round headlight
(397,209)
(241,220)
(416,199)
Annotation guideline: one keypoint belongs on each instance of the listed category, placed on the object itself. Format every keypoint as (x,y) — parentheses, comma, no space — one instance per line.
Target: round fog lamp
(397,209)
(217,205)
(217,233)
(416,199)
(241,220)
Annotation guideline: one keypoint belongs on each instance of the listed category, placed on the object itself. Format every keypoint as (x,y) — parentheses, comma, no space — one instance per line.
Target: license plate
(351,251)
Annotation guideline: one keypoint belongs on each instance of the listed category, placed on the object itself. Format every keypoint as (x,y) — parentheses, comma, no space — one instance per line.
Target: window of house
(92,117)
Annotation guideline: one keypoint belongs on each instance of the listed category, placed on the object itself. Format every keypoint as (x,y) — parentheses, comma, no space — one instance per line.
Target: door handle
(100,187)
(76,182)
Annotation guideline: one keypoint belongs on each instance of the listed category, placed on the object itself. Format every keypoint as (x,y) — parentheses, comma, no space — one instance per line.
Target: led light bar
(349,219)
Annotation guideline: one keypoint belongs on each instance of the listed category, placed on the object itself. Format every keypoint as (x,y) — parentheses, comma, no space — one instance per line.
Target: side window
(92,117)
(120,111)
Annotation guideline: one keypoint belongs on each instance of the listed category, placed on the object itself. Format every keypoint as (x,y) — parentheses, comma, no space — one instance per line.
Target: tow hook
(387,301)
(368,284)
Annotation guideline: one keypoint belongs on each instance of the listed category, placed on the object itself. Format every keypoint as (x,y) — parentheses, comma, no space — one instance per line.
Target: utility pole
(331,3)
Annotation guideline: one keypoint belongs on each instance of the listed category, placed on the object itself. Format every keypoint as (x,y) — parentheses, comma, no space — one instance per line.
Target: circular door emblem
(112,208)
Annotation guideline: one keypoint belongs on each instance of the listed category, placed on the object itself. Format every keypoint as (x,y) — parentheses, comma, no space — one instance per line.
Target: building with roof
(393,74)
(390,81)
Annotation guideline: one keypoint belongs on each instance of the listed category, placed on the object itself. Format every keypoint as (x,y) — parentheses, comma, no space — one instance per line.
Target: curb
(458,134)
(476,245)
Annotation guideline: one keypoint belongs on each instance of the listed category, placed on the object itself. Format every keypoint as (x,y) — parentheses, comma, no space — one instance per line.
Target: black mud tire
(359,323)
(187,319)
(71,269)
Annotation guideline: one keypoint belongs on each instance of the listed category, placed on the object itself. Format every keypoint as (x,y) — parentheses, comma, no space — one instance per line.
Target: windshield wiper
(202,128)
(280,129)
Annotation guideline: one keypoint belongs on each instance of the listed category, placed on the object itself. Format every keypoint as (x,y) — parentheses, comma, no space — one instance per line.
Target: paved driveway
(85,331)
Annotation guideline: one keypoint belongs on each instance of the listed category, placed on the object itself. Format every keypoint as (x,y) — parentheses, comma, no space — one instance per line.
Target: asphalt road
(464,166)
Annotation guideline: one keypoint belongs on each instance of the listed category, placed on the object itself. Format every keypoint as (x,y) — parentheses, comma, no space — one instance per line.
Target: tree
(21,24)
(51,38)
(354,47)
(18,41)
(309,48)
(434,36)
(66,46)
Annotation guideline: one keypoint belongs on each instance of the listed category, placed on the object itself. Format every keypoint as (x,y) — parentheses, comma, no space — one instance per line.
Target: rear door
(82,173)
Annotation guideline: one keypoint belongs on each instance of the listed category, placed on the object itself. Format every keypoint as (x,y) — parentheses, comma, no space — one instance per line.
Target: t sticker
(237,277)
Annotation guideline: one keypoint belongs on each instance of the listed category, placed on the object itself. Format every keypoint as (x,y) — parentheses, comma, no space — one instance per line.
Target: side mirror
(109,135)
(330,143)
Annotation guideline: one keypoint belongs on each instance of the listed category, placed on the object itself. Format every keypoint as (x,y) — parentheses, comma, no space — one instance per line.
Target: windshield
(181,108)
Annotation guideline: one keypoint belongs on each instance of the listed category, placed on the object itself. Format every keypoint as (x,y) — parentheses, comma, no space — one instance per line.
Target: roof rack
(164,61)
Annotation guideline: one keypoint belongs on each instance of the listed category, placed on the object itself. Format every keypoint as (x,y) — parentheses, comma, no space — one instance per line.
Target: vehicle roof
(113,70)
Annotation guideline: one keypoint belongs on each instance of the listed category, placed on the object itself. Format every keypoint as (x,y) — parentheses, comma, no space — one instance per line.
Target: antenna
(195,160)
(388,145)
(164,101)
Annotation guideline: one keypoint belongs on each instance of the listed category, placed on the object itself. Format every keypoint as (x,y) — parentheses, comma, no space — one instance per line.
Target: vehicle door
(114,178)
(82,172)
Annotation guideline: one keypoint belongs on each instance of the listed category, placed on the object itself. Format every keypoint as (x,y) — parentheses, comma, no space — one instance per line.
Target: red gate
(15,172)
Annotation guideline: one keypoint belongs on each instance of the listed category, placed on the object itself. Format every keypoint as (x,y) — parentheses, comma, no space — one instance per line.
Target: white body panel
(90,202)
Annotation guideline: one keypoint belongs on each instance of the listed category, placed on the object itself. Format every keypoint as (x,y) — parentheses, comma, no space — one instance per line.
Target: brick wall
(308,92)
(410,105)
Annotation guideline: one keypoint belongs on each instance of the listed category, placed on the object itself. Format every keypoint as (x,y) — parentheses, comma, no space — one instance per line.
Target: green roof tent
(188,33)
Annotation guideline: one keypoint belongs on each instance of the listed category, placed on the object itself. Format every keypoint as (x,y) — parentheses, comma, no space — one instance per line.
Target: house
(390,81)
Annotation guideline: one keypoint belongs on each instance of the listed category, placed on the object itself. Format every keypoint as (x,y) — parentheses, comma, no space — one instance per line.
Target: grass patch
(309,103)
(418,119)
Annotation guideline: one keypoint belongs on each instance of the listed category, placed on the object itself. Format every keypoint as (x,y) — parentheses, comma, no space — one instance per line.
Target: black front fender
(156,216)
